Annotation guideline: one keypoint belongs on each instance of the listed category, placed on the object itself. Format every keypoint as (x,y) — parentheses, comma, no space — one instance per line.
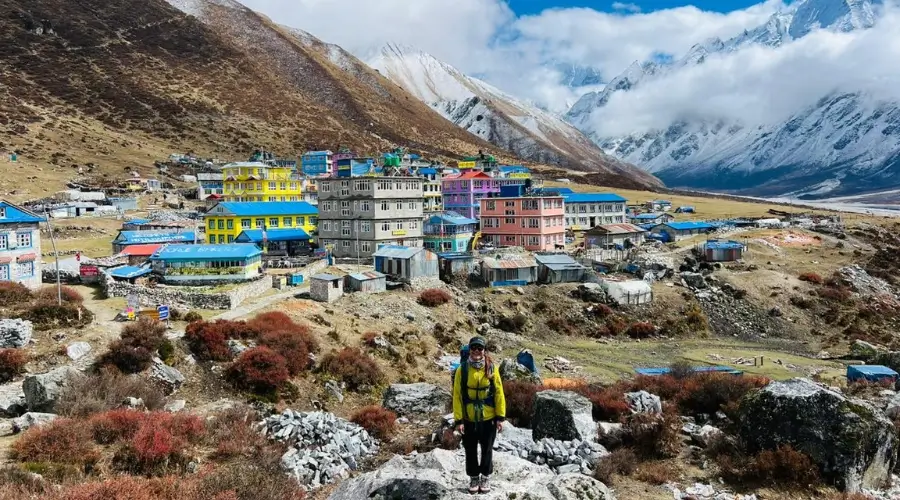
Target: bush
(232,434)
(709,393)
(434,297)
(654,435)
(520,401)
(49,295)
(601,311)
(681,369)
(12,363)
(620,462)
(515,323)
(378,421)
(802,302)
(259,369)
(160,442)
(614,326)
(839,294)
(641,330)
(209,340)
(129,488)
(193,316)
(657,473)
(353,367)
(84,395)
(811,277)
(138,344)
(608,403)
(696,319)
(293,346)
(17,483)
(116,425)
(783,466)
(13,294)
(46,316)
(258,476)
(62,441)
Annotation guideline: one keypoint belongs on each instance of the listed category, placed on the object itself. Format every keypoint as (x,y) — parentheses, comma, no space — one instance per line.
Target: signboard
(401,232)
(466,164)
(521,175)
(89,271)
(163,312)
(133,300)
(149,313)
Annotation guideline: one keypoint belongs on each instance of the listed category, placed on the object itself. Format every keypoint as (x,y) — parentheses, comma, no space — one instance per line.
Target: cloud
(629,7)
(761,85)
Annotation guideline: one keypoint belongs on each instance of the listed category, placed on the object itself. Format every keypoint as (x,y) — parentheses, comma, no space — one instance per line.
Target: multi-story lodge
(356,215)
(588,210)
(434,201)
(532,222)
(257,181)
(462,192)
(20,245)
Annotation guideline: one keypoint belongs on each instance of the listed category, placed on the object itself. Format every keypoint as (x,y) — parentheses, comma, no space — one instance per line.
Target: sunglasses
(476,348)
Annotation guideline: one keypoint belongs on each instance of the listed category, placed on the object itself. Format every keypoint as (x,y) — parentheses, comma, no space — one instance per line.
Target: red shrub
(709,393)
(69,294)
(641,330)
(293,346)
(208,341)
(368,338)
(353,367)
(139,343)
(272,321)
(61,441)
(608,403)
(259,369)
(811,278)
(434,297)
(231,432)
(379,421)
(12,363)
(129,488)
(116,425)
(153,443)
(520,401)
(614,326)
(840,294)
(784,466)
(654,435)
(12,294)
(602,310)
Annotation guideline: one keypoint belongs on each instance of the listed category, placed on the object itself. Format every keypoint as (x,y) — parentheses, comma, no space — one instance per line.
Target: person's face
(476,352)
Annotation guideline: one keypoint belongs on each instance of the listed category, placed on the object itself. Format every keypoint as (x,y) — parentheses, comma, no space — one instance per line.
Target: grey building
(357,215)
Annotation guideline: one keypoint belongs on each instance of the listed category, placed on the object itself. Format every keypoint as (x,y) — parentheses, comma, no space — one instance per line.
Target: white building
(587,210)
(20,245)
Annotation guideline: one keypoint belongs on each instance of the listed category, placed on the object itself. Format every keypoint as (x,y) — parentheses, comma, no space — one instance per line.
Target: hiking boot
(474,484)
(485,486)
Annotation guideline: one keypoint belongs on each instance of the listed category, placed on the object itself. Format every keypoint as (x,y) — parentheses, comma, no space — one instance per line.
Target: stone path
(248,308)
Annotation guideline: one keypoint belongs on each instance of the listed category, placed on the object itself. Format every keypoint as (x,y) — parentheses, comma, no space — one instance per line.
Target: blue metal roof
(18,215)
(686,226)
(456,256)
(397,252)
(514,168)
(451,218)
(137,222)
(207,252)
(265,208)
(723,245)
(647,216)
(647,227)
(697,369)
(283,234)
(871,370)
(553,191)
(141,237)
(427,171)
(128,272)
(594,198)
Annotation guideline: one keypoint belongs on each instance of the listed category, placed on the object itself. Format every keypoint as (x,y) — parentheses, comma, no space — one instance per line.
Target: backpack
(464,378)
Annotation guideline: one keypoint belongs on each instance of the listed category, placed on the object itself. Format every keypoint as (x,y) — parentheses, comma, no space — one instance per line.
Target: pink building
(533,222)
(461,192)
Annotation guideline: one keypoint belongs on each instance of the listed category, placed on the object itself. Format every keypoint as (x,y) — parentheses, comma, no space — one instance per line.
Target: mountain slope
(123,83)
(844,144)
(529,132)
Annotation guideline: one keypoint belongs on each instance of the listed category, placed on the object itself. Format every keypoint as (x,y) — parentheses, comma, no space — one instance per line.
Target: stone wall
(187,297)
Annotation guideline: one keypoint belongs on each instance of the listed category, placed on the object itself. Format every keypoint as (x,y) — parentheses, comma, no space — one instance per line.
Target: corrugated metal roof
(18,215)
(594,198)
(621,228)
(451,218)
(509,262)
(456,256)
(368,275)
(203,252)
(685,226)
(326,277)
(558,262)
(138,237)
(128,272)
(141,250)
(723,245)
(137,222)
(283,234)
(397,252)
(264,208)
(647,216)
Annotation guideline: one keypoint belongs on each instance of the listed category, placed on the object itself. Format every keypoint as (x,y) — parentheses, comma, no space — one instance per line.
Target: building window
(221,239)
(345,244)
(230,224)
(3,216)
(385,226)
(24,269)
(529,204)
(312,221)
(230,238)
(366,206)
(258,186)
(273,198)
(260,223)
(23,240)
(411,205)
(3,242)
(212,239)
(284,198)
(398,225)
(509,220)
(301,221)
(534,223)
(385,205)
(491,222)
(273,222)
(414,224)
(245,223)
(345,209)
(212,224)
(582,209)
(293,186)
(294,198)
(534,240)
(399,206)
(345,228)
(491,205)
(283,186)
(4,272)
(366,226)
(288,222)
(272,186)
(363,186)
(325,187)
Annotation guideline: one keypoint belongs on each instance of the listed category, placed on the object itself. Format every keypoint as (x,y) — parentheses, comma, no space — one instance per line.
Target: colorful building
(285,241)
(209,183)
(162,236)
(200,264)
(532,222)
(463,192)
(449,232)
(225,222)
(20,245)
(318,163)
(434,201)
(587,210)
(355,167)
(257,181)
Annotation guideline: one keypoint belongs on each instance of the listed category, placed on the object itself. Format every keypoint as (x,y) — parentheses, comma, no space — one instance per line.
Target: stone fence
(189,297)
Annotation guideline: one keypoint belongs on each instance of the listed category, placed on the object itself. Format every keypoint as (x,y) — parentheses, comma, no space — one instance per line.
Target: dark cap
(477,341)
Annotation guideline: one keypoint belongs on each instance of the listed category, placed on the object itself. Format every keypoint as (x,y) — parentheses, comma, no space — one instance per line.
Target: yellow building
(257,181)
(225,221)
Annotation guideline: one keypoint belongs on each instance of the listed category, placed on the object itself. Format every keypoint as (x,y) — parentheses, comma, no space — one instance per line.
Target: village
(399,260)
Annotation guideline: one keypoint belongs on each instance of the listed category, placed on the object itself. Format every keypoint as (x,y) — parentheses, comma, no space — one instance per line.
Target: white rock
(78,350)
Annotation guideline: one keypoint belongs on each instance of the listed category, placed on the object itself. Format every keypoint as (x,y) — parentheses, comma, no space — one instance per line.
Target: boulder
(167,377)
(12,400)
(78,350)
(42,390)
(706,435)
(643,402)
(441,474)
(416,399)
(31,419)
(562,415)
(512,370)
(854,445)
(15,333)
(889,359)
(591,292)
(610,434)
(175,405)
(892,409)
(693,280)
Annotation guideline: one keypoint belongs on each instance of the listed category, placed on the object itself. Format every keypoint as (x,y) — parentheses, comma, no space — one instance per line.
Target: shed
(723,251)
(455,263)
(326,287)
(508,270)
(129,273)
(559,268)
(367,282)
(138,254)
(406,263)
(632,292)
(870,373)
(124,204)
(614,235)
(674,231)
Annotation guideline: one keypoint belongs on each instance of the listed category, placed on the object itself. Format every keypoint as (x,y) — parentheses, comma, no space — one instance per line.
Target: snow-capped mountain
(531,133)
(844,144)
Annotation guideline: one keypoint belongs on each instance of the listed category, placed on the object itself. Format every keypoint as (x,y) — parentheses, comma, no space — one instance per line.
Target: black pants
(482,433)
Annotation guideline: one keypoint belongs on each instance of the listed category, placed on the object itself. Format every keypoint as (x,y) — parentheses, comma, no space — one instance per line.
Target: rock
(78,350)
(474,305)
(31,419)
(236,347)
(415,399)
(562,415)
(335,389)
(706,435)
(175,405)
(169,378)
(12,400)
(42,390)
(610,434)
(410,316)
(775,312)
(441,474)
(643,402)
(591,292)
(864,350)
(15,333)
(511,370)
(520,290)
(693,280)
(854,445)
(133,403)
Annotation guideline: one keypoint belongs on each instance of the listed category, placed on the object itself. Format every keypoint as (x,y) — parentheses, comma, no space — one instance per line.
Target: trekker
(479,409)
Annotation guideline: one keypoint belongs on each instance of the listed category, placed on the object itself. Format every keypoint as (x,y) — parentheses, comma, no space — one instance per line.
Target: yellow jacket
(478,387)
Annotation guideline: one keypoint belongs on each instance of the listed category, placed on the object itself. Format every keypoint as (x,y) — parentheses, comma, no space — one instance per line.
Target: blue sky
(529,7)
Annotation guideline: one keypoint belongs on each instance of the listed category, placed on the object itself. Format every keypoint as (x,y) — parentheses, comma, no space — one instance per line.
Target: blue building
(128,238)
(318,163)
(449,232)
(355,167)
(201,264)
(587,210)
(675,231)
(283,241)
(20,245)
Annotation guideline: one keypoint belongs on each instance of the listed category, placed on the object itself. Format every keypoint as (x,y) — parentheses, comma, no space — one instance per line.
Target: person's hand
(499,425)
(461,429)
